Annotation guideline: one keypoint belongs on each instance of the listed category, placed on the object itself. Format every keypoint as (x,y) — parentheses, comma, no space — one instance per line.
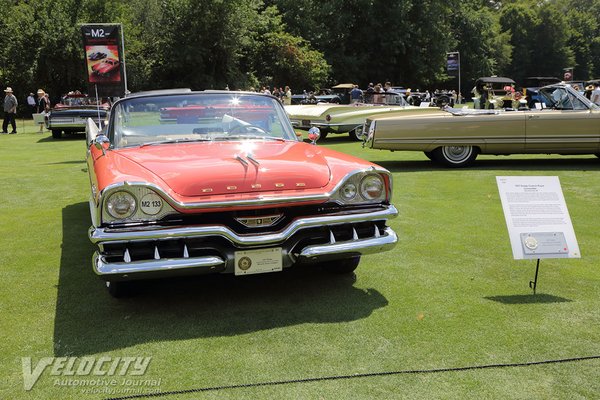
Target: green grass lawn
(449,295)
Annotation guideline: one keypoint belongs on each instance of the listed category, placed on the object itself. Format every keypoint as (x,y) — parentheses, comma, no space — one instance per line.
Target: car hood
(212,168)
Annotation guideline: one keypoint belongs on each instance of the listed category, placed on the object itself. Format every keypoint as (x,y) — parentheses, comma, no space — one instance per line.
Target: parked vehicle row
(338,119)
(566,123)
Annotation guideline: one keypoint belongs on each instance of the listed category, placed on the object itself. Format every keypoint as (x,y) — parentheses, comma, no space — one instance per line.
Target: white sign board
(538,222)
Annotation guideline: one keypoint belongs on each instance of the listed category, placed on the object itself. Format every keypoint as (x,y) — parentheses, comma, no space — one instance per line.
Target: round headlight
(348,191)
(121,205)
(371,187)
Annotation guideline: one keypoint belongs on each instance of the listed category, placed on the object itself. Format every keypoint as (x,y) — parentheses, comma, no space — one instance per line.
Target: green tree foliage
(540,36)
(375,40)
(582,17)
(301,43)
(484,48)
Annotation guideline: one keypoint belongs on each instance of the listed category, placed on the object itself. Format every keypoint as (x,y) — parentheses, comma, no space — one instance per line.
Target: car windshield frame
(572,100)
(207,116)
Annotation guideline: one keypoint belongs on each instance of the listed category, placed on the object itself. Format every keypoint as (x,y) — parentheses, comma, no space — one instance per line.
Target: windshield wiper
(168,141)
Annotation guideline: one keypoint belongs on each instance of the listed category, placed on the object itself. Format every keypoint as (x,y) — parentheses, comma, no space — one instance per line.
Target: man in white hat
(10,110)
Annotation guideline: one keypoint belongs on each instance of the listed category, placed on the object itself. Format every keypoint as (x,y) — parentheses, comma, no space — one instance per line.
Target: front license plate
(258,261)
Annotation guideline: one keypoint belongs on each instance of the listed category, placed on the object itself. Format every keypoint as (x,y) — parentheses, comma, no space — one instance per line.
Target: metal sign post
(453,66)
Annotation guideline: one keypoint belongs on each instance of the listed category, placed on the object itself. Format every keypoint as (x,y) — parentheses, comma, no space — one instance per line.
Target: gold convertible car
(563,122)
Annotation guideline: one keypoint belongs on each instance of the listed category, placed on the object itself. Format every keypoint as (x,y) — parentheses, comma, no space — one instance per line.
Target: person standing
(10,110)
(31,103)
(287,96)
(369,93)
(595,97)
(356,94)
(43,105)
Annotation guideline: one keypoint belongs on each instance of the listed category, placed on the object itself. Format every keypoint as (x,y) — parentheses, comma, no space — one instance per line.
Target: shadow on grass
(64,137)
(68,162)
(89,321)
(552,164)
(528,299)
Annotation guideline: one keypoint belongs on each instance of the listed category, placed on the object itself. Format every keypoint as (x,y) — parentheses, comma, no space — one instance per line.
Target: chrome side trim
(102,267)
(108,235)
(361,246)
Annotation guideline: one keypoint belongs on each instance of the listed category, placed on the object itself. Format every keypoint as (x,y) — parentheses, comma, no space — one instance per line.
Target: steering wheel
(246,129)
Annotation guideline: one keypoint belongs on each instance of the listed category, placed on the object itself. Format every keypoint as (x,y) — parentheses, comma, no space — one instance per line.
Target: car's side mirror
(99,142)
(314,134)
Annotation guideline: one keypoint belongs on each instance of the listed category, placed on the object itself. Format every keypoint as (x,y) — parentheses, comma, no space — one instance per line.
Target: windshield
(191,117)
(80,101)
(565,98)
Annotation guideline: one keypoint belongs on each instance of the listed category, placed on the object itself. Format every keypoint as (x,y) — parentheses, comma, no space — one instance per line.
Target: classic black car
(71,114)
(533,84)
(97,56)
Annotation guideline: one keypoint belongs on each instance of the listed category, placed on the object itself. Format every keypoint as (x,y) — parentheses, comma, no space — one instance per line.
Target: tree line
(305,44)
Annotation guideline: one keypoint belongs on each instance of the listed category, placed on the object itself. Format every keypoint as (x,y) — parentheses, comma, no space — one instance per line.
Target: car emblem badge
(245,263)
(259,222)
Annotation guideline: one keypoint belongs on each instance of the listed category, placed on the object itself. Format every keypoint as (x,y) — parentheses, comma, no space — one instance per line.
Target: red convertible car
(218,182)
(106,67)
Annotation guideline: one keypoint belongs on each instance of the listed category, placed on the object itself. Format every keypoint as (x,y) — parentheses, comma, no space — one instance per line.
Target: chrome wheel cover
(457,154)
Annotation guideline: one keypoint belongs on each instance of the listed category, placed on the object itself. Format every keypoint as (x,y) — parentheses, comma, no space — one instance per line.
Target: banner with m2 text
(104,59)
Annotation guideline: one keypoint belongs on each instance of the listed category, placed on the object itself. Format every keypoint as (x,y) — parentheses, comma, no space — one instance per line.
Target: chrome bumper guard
(376,244)
(102,267)
(380,238)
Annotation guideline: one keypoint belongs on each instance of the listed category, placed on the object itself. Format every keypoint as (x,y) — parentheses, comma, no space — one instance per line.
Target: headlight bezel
(140,214)
(360,178)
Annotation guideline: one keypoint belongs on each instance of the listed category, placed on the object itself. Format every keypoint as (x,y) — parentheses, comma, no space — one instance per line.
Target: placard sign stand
(538,222)
(533,283)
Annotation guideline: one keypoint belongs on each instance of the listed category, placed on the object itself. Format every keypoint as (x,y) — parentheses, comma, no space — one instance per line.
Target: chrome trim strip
(363,246)
(326,124)
(108,235)
(258,200)
(101,267)
(251,158)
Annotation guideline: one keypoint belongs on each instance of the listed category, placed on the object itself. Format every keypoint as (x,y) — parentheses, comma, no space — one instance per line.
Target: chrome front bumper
(305,240)
(336,128)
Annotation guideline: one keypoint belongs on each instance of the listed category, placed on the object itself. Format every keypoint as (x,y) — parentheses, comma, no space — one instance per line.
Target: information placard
(538,222)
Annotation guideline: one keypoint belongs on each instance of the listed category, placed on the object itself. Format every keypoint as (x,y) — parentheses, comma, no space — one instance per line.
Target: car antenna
(98,107)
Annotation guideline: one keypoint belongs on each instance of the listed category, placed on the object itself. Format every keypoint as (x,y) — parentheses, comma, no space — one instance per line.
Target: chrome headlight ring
(121,204)
(372,187)
(133,203)
(364,187)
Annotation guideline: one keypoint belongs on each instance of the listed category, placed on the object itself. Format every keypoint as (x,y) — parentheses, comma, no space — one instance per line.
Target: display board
(104,59)
(537,218)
